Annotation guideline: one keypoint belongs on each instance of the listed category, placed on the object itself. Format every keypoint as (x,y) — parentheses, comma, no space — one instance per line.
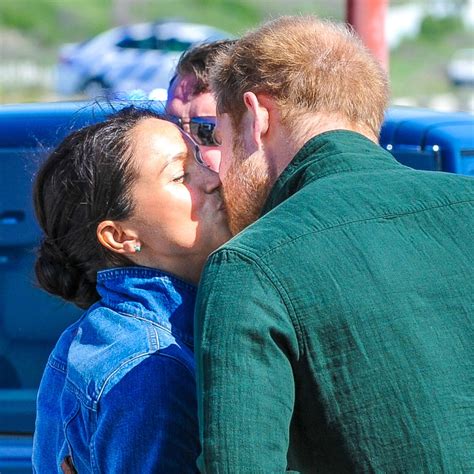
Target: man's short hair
(196,62)
(307,65)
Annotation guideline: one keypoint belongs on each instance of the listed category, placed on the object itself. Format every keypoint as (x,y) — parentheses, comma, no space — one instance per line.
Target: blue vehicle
(429,140)
(31,321)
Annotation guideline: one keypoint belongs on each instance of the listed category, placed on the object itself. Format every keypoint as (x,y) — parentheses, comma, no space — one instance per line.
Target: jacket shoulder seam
(140,356)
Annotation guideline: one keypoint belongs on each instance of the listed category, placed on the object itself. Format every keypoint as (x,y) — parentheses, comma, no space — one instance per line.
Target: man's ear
(257,118)
(114,237)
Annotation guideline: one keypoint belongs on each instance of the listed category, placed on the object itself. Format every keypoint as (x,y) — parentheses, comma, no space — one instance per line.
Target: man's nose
(211,156)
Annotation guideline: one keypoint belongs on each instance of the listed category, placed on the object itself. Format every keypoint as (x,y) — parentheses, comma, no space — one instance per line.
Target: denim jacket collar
(150,294)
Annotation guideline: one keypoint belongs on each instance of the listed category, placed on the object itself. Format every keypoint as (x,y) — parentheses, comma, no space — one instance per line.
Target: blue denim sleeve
(148,422)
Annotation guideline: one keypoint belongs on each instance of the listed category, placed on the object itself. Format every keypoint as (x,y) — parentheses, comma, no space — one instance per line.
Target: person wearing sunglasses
(129,213)
(190,103)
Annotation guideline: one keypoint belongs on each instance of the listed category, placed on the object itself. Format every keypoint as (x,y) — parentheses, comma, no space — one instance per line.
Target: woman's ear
(115,238)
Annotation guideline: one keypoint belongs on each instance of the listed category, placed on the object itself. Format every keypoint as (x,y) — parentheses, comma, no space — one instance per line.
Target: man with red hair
(334,332)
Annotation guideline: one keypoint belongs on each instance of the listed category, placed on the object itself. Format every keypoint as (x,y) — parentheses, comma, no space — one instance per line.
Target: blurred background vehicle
(30,319)
(139,56)
(422,36)
(430,140)
(460,68)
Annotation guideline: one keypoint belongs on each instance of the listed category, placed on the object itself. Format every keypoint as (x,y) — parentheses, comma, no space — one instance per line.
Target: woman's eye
(180,178)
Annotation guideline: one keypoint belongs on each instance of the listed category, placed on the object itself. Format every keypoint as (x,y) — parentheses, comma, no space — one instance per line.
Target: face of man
(185,105)
(245,176)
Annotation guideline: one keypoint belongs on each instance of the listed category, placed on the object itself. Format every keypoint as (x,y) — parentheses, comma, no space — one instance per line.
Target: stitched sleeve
(245,345)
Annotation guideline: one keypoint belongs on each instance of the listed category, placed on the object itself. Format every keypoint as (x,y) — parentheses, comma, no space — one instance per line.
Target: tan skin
(179,216)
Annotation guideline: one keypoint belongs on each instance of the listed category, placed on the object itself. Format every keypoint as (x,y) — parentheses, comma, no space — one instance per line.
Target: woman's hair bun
(57,275)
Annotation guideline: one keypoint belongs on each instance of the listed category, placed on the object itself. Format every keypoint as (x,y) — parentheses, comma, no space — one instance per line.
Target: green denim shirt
(336,333)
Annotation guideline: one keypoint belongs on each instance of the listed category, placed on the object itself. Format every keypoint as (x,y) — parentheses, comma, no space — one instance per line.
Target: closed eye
(179,157)
(180,179)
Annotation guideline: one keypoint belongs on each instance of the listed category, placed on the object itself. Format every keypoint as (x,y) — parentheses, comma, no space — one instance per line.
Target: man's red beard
(246,187)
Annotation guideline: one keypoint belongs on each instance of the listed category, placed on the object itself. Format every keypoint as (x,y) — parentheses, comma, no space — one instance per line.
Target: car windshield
(153,43)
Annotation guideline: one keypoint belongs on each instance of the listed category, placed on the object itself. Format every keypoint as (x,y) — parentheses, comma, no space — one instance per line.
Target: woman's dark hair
(85,180)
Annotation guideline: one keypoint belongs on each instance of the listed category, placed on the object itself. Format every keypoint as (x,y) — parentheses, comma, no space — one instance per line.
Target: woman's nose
(210,180)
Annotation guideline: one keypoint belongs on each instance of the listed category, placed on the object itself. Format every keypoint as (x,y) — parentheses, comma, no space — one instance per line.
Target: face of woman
(179,216)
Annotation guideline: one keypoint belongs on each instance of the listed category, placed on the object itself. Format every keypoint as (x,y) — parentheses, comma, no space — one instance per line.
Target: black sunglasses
(201,129)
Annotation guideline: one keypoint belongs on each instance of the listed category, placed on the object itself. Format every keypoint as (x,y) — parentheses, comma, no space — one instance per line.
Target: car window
(153,43)
(142,43)
(172,45)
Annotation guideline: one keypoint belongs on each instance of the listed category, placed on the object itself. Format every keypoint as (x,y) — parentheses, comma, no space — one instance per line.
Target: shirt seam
(90,402)
(288,304)
(279,289)
(120,367)
(67,422)
(350,168)
(57,364)
(144,272)
(360,221)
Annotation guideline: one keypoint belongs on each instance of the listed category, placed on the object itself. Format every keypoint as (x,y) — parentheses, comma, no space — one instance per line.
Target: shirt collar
(151,294)
(329,153)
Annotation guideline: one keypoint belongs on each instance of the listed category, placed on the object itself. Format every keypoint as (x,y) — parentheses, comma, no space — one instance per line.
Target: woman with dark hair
(129,213)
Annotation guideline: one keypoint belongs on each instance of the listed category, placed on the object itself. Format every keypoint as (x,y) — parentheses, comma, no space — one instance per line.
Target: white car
(128,58)
(460,69)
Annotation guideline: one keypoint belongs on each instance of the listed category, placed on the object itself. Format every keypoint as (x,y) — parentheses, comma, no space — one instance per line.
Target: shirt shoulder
(347,198)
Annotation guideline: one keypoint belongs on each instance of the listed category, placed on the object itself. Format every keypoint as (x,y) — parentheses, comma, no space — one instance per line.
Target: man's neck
(288,140)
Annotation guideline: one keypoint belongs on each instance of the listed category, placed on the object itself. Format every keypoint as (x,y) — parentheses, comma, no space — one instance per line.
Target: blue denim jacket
(118,392)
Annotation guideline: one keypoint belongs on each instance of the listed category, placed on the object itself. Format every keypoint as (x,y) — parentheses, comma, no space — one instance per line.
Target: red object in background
(368,19)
